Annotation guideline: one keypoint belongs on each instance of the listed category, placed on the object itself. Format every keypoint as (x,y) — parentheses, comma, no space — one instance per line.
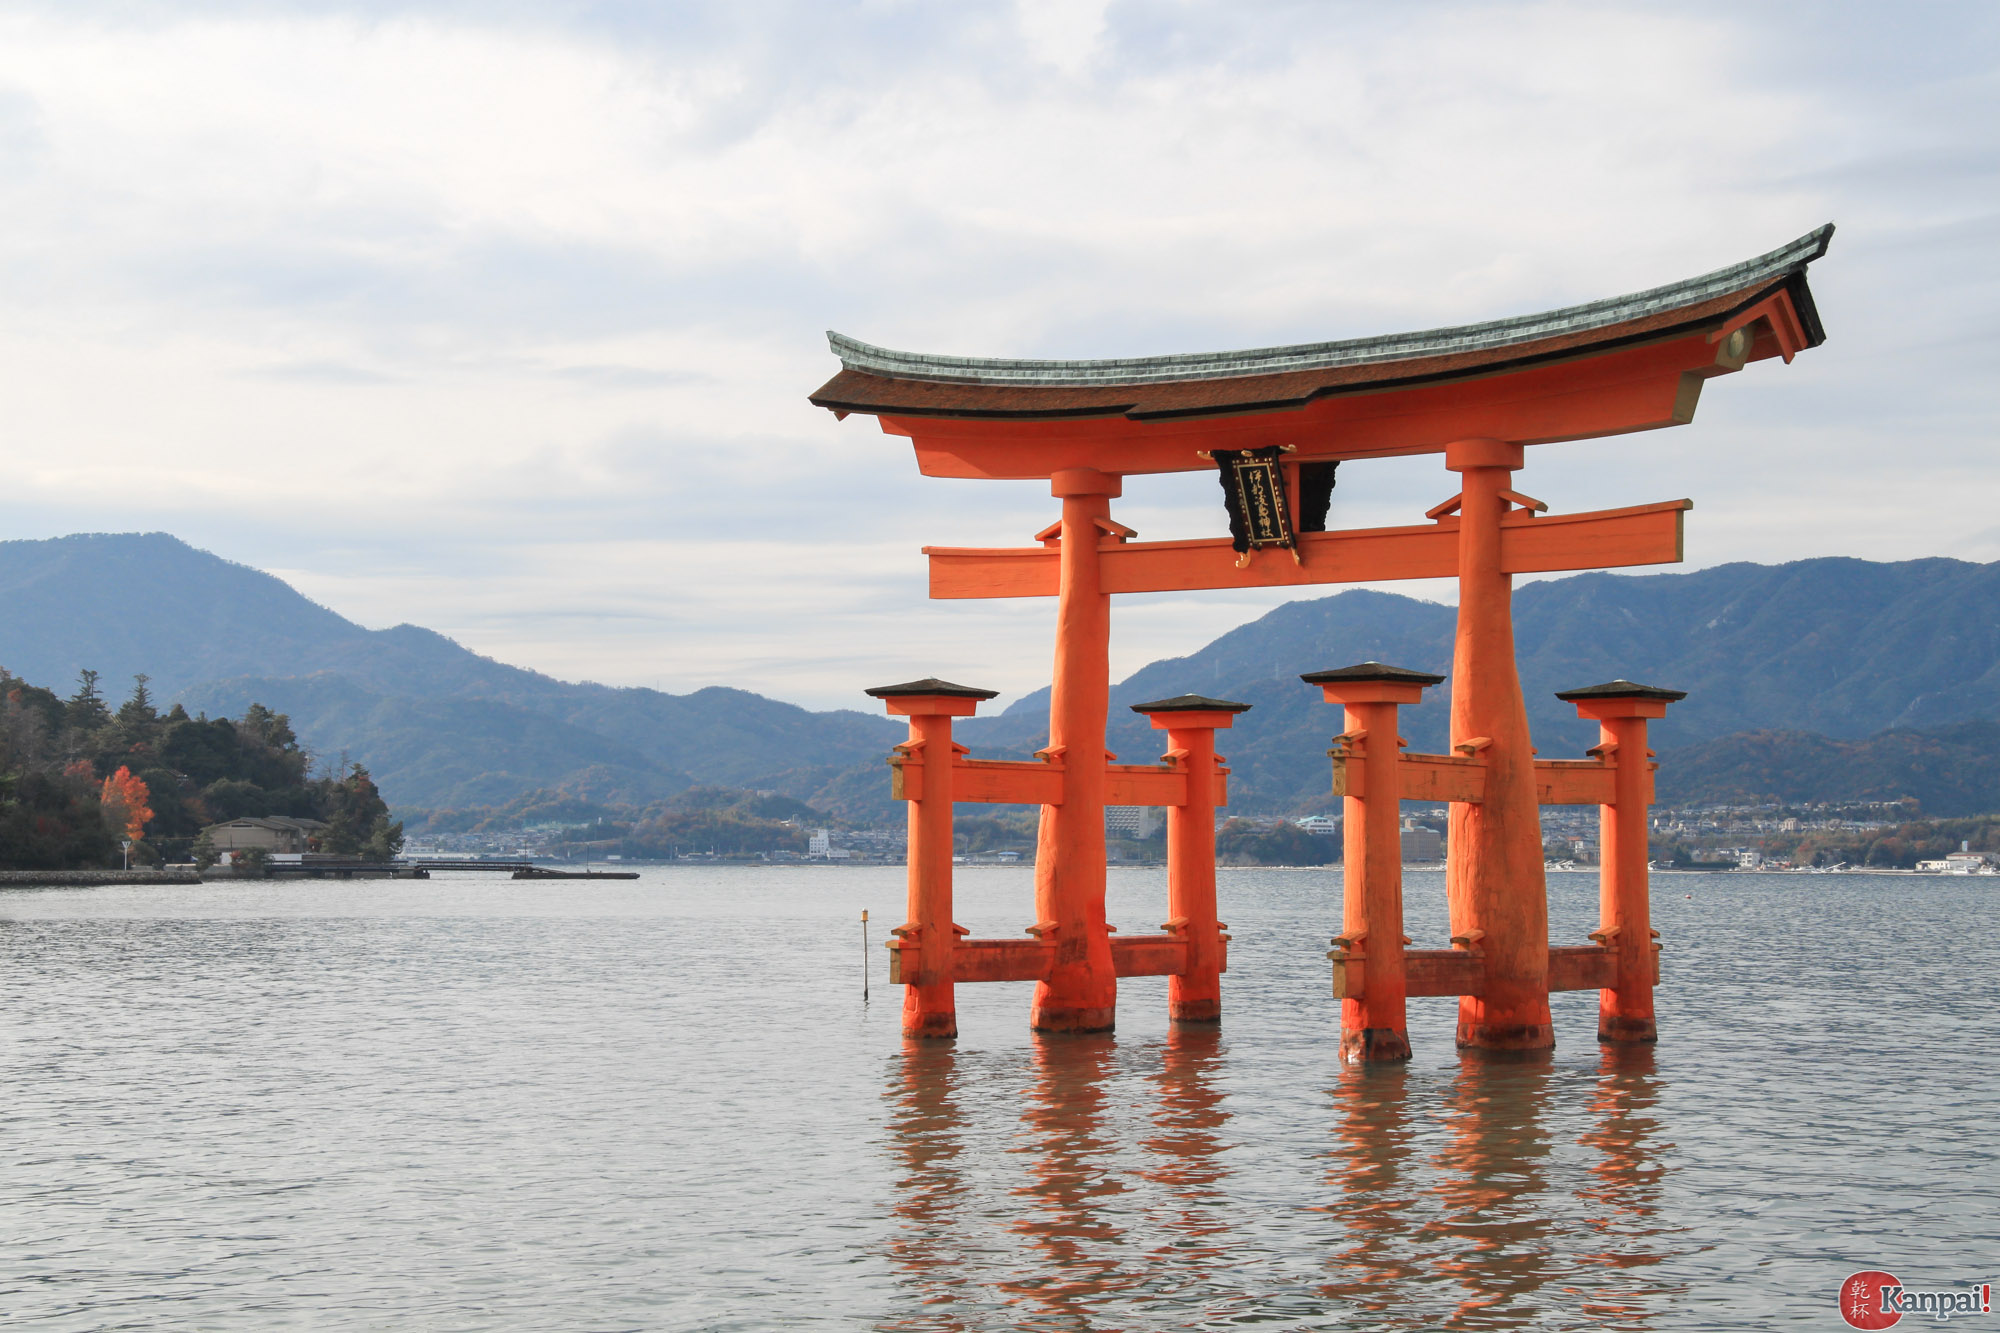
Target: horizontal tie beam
(1529,544)
(1030,960)
(1445,777)
(1430,972)
(1423,777)
(1152,784)
(1578,782)
(1036,782)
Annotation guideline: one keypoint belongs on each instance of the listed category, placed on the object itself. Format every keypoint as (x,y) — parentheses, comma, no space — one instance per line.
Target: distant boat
(544,872)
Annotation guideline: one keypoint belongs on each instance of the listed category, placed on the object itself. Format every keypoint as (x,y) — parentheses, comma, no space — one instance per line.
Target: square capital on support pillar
(1621,698)
(1464,455)
(1372,683)
(1191,711)
(1071,481)
(931,697)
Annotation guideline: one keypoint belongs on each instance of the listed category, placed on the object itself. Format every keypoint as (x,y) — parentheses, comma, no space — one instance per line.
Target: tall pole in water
(864,955)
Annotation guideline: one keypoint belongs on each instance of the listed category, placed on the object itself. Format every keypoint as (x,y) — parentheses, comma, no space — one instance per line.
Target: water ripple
(473,1104)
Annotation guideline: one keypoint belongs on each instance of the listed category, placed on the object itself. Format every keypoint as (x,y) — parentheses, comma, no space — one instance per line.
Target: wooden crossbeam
(1581,967)
(983,781)
(1427,972)
(1530,543)
(1447,777)
(1461,972)
(1152,784)
(974,960)
(988,960)
(1040,782)
(1007,782)
(1149,955)
(1424,777)
(1575,782)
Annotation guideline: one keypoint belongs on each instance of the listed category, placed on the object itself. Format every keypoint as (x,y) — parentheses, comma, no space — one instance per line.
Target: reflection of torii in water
(1478,395)
(1079,1237)
(1026,1191)
(1458,1202)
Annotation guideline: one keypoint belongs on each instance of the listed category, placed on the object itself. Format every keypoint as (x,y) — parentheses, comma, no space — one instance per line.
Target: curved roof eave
(1785,261)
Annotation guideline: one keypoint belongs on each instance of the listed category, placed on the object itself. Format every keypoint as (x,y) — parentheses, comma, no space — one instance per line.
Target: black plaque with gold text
(1253,489)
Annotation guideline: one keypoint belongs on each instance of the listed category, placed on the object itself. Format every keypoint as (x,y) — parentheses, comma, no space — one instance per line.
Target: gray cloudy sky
(500,318)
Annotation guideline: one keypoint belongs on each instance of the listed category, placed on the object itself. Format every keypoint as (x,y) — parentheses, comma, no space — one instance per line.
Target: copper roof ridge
(1779,263)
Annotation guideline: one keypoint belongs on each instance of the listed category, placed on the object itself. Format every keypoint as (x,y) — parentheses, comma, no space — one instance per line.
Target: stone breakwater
(88,878)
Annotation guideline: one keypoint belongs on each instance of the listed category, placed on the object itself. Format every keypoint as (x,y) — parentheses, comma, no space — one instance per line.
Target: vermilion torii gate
(1273,420)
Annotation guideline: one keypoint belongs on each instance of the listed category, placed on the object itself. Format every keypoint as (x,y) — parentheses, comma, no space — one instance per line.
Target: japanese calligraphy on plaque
(1253,487)
(1260,505)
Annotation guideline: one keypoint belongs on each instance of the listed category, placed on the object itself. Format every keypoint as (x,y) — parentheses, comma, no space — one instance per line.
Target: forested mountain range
(1830,648)
(1949,770)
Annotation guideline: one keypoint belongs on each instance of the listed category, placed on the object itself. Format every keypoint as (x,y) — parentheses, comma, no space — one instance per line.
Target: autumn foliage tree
(124,798)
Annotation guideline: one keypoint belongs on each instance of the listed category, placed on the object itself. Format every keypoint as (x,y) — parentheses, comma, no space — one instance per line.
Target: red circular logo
(1861,1300)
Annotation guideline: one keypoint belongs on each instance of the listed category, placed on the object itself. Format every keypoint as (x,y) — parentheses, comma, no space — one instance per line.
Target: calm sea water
(476,1104)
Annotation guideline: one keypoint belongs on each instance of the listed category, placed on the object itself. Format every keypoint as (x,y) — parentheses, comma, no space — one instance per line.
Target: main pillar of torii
(1274,422)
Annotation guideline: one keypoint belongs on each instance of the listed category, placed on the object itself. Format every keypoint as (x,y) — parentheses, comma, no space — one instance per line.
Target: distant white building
(1131,821)
(1320,826)
(1581,849)
(819,843)
(1421,843)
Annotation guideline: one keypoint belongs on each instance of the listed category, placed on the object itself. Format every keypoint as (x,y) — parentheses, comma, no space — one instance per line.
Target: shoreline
(94,878)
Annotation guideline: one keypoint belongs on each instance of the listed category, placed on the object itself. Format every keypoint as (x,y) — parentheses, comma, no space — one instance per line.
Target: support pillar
(1191,721)
(1373,1025)
(1493,874)
(1081,992)
(923,943)
(1625,922)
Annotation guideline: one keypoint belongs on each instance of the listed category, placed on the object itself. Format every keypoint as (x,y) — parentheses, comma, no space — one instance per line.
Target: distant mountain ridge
(437,724)
(1841,648)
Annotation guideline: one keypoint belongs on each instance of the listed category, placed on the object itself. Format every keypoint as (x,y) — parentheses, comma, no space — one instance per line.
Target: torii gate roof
(1628,363)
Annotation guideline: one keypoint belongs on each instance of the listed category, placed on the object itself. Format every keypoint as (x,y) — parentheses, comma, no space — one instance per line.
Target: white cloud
(1063,33)
(367,298)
